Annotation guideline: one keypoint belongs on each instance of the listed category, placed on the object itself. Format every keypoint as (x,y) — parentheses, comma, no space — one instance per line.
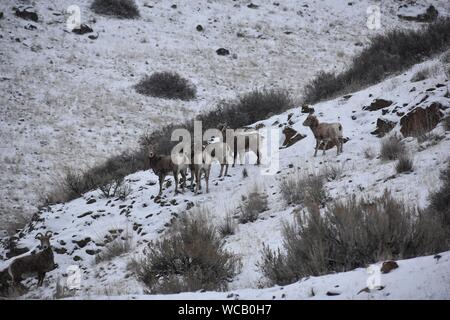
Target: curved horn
(48,233)
(39,236)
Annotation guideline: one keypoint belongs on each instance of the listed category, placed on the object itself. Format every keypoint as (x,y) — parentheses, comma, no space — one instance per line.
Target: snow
(68,101)
(145,220)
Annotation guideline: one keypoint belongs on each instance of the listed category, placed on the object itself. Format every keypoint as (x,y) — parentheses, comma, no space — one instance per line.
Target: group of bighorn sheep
(225,152)
(229,148)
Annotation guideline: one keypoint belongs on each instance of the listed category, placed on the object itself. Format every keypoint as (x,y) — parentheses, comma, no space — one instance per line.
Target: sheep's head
(44,239)
(310,121)
(222,126)
(151,149)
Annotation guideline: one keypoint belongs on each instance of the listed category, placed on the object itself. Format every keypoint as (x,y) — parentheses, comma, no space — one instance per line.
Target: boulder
(82,29)
(378,104)
(26,14)
(291,136)
(307,109)
(413,13)
(222,52)
(388,266)
(420,120)
(383,127)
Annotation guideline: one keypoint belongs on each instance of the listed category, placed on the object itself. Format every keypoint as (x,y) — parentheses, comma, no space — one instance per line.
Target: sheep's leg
(242,158)
(258,154)
(338,145)
(234,159)
(325,146)
(183,175)
(207,179)
(175,176)
(341,140)
(41,276)
(161,181)
(197,180)
(226,170)
(221,170)
(317,147)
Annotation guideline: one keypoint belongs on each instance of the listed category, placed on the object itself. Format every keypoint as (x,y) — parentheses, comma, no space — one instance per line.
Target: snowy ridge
(80,229)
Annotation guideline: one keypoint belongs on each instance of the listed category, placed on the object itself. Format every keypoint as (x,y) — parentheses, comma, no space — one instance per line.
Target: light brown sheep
(325,132)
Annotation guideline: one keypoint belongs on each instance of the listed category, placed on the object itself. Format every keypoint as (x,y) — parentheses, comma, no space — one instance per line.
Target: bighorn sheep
(244,140)
(201,164)
(163,166)
(221,152)
(325,132)
(39,262)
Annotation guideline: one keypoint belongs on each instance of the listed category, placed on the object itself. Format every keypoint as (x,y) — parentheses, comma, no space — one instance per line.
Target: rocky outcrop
(291,137)
(420,120)
(412,14)
(378,104)
(384,126)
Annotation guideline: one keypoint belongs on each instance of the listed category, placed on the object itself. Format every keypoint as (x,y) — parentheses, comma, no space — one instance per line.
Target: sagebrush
(169,85)
(302,188)
(125,9)
(191,257)
(351,234)
(387,54)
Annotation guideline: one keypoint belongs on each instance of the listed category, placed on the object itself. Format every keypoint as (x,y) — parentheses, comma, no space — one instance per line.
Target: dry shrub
(352,234)
(191,257)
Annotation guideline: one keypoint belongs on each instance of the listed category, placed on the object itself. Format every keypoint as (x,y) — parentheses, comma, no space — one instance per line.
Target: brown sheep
(325,132)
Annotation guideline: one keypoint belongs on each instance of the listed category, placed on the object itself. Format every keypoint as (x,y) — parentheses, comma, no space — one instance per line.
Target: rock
(388,266)
(27,15)
(30,27)
(353,117)
(291,137)
(93,37)
(77,258)
(410,14)
(1,14)
(82,29)
(92,252)
(91,200)
(199,27)
(378,104)
(307,109)
(174,6)
(420,120)
(83,242)
(85,214)
(332,293)
(61,250)
(383,127)
(252,6)
(222,52)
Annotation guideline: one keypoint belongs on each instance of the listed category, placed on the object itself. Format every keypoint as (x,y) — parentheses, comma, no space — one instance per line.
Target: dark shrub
(404,164)
(228,226)
(125,9)
(440,199)
(115,248)
(349,235)
(392,148)
(252,205)
(168,85)
(446,122)
(190,258)
(387,54)
(303,188)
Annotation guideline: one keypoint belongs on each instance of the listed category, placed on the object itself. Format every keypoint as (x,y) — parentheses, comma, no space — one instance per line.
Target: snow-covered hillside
(68,101)
(81,226)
